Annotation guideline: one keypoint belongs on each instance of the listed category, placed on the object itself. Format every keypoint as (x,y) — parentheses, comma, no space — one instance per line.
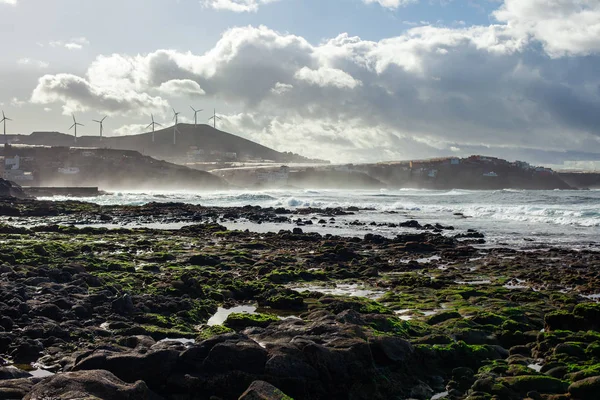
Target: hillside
(107,169)
(203,137)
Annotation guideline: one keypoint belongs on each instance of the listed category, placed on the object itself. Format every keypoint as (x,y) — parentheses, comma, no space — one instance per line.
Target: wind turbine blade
(193,109)
(96,121)
(156,123)
(71,126)
(73,115)
(148,126)
(102,120)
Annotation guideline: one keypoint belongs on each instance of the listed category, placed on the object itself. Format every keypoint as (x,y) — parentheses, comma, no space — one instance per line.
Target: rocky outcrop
(89,384)
(11,189)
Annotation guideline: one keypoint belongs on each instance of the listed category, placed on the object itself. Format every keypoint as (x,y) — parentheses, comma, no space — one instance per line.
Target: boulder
(261,390)
(89,384)
(585,389)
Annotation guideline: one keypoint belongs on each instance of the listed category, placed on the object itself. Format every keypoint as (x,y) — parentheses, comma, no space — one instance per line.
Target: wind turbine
(195,115)
(4,119)
(153,124)
(75,124)
(175,129)
(101,125)
(215,118)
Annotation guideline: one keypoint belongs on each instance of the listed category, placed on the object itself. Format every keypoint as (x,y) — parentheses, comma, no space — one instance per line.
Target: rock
(123,305)
(421,391)
(585,389)
(12,373)
(11,189)
(243,356)
(89,384)
(540,383)
(442,317)
(261,390)
(16,388)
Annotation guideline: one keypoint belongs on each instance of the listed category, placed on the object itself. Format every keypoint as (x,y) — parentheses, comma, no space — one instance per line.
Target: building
(271,177)
(68,171)
(491,174)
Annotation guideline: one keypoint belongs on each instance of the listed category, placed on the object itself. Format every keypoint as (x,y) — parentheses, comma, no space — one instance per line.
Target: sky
(343,80)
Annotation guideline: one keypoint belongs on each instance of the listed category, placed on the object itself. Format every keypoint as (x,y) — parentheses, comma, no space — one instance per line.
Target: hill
(204,139)
(108,169)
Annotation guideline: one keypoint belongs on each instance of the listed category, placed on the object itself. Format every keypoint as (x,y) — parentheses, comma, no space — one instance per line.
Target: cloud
(564,27)
(429,91)
(236,5)
(72,44)
(33,63)
(181,87)
(324,77)
(15,102)
(281,88)
(9,2)
(78,94)
(391,4)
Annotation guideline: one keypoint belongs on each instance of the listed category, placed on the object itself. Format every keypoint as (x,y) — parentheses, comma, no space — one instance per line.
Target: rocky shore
(203,312)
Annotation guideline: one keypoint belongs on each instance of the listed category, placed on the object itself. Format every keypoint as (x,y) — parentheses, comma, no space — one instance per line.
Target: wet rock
(585,389)
(89,384)
(244,356)
(261,390)
(13,389)
(123,305)
(12,373)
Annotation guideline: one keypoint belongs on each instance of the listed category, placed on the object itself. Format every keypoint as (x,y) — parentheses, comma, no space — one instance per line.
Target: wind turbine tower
(175,129)
(215,118)
(101,122)
(196,115)
(153,124)
(75,124)
(4,119)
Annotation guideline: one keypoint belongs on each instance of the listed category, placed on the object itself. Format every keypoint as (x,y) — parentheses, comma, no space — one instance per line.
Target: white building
(68,171)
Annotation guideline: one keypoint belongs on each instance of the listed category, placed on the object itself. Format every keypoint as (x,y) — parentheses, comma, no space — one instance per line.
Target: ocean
(515,218)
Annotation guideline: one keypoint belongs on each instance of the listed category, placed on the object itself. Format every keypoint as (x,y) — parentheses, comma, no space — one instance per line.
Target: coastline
(324,316)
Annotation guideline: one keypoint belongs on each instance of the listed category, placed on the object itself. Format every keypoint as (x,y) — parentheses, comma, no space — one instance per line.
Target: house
(491,174)
(432,173)
(455,161)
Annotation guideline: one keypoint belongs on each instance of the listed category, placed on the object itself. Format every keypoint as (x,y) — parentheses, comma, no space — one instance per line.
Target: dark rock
(13,389)
(585,389)
(12,373)
(89,384)
(260,390)
(243,356)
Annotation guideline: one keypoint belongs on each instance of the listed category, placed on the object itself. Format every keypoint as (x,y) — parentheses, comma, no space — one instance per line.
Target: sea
(512,218)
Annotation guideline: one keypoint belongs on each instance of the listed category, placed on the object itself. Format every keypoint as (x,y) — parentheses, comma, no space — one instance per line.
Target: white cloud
(78,94)
(281,88)
(47,109)
(564,27)
(325,76)
(15,102)
(131,129)
(236,5)
(33,63)
(181,87)
(9,2)
(72,44)
(391,4)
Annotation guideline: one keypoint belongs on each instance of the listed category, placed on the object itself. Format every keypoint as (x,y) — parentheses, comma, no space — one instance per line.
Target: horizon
(371,81)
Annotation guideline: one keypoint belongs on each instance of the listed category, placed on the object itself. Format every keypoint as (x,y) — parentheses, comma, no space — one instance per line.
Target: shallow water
(222,313)
(352,290)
